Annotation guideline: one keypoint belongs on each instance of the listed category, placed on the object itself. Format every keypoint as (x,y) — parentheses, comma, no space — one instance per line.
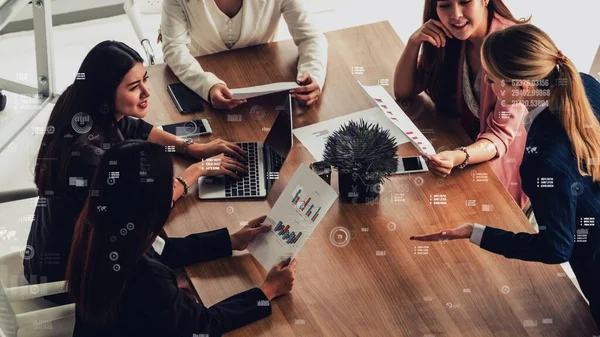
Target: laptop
(264,163)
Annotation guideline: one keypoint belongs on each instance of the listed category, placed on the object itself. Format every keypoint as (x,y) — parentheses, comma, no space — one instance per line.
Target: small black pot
(357,190)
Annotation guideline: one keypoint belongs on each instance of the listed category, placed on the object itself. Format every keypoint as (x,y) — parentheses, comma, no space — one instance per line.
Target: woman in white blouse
(192,28)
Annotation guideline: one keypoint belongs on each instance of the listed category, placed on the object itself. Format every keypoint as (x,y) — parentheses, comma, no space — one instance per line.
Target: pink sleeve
(501,126)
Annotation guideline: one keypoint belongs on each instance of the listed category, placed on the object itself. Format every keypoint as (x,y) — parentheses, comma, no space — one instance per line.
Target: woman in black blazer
(561,165)
(105,104)
(122,286)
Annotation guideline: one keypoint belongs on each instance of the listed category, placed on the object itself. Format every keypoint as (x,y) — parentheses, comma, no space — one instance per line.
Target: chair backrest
(8,319)
(22,307)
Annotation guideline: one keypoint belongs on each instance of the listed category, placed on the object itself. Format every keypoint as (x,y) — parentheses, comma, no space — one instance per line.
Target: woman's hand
(461,232)
(215,147)
(309,92)
(432,31)
(221,98)
(442,163)
(221,165)
(241,238)
(280,279)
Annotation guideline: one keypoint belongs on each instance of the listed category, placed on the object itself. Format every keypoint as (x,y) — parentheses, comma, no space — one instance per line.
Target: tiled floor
(565,24)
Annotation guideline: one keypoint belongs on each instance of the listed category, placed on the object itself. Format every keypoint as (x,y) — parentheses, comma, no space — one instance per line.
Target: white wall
(67,6)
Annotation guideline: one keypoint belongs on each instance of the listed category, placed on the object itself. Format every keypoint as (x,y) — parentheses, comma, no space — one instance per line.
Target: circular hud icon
(28,253)
(82,122)
(339,236)
(577,189)
(113,256)
(190,127)
(257,113)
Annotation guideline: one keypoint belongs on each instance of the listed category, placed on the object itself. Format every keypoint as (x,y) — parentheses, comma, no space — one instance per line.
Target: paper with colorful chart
(314,136)
(392,111)
(295,215)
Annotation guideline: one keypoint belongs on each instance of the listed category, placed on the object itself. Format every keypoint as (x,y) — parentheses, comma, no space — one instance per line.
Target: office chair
(23,313)
(134,10)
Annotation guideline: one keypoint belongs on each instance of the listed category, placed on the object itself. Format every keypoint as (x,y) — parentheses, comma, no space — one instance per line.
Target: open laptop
(264,163)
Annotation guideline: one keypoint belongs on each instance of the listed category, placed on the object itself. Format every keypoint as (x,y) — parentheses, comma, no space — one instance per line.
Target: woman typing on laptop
(103,106)
(192,28)
(122,281)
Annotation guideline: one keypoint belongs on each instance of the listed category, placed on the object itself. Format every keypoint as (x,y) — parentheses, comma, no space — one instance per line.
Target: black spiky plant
(363,149)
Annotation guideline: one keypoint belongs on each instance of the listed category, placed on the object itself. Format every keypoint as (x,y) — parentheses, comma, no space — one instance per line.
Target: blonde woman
(192,28)
(561,165)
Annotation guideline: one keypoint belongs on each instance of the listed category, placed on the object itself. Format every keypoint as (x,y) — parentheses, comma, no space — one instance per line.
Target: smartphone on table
(411,165)
(193,128)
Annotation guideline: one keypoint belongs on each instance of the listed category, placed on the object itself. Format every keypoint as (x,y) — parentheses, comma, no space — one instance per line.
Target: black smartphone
(185,99)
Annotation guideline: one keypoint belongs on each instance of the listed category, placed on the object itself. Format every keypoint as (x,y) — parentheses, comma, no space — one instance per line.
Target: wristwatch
(186,144)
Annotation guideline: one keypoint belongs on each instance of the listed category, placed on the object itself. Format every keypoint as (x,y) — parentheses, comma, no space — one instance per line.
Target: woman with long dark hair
(122,287)
(104,105)
(449,71)
(561,167)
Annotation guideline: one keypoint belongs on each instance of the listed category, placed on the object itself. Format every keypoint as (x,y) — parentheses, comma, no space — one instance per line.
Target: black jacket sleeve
(196,248)
(132,128)
(554,209)
(161,303)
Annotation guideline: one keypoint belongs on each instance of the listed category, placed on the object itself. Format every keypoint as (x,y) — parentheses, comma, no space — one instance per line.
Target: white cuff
(159,245)
(477,234)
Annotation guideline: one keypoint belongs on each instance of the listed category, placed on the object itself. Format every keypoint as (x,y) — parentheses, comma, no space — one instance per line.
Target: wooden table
(379,283)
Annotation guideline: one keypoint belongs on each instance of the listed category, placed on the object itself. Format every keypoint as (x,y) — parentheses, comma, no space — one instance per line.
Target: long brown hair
(437,66)
(129,205)
(91,96)
(525,52)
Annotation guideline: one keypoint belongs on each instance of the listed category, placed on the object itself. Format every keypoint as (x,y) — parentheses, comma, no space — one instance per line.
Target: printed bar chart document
(392,111)
(314,136)
(295,215)
(260,90)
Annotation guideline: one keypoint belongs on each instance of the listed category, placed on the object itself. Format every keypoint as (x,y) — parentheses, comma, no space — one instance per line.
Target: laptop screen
(280,137)
(279,140)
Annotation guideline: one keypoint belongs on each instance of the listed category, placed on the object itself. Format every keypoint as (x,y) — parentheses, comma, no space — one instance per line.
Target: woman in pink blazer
(449,71)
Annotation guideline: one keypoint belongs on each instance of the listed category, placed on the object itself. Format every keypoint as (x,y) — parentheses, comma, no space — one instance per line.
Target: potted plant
(364,155)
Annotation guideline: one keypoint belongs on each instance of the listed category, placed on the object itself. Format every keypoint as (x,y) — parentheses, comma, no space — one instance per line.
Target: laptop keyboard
(275,161)
(249,184)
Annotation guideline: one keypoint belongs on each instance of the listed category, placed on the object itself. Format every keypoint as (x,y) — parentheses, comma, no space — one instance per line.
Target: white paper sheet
(295,215)
(392,111)
(314,136)
(260,90)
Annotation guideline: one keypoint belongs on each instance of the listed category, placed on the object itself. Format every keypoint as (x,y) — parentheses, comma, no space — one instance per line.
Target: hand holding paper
(260,90)
(294,217)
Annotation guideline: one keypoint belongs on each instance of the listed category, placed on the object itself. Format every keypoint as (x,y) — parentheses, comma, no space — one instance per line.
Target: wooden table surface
(358,274)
